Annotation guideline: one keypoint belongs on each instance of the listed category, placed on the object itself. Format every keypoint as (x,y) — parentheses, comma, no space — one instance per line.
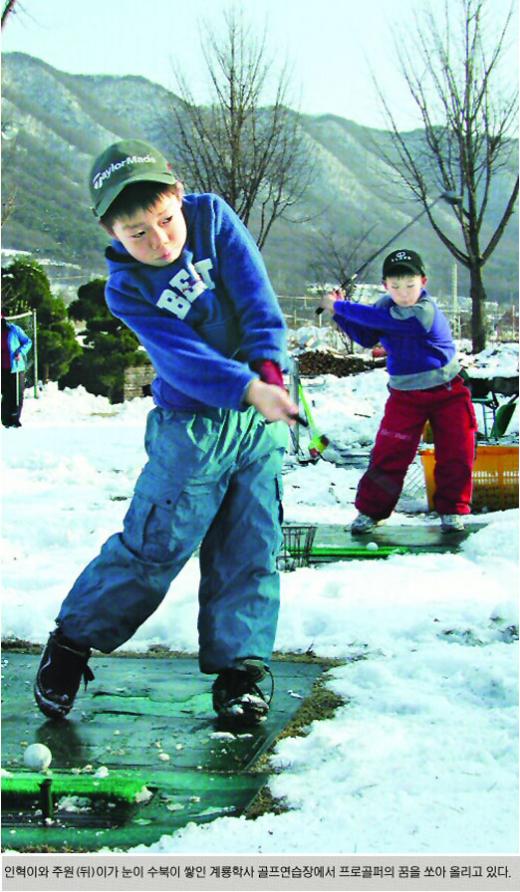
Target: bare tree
(335,259)
(454,79)
(7,9)
(334,262)
(252,154)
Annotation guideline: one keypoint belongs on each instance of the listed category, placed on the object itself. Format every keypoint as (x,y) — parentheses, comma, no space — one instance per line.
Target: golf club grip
(299,419)
(338,291)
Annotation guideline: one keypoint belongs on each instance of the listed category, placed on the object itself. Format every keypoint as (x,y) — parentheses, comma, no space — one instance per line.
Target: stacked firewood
(331,362)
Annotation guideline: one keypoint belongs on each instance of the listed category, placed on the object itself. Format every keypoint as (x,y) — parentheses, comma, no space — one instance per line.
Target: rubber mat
(335,542)
(146,719)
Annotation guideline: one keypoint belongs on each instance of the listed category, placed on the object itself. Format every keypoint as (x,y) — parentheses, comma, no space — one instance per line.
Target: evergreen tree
(109,347)
(25,287)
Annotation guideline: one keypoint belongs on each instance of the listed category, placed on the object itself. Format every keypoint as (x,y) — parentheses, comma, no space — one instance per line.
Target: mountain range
(54,123)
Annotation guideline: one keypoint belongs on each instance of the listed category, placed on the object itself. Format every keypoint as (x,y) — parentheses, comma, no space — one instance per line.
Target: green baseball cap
(125,162)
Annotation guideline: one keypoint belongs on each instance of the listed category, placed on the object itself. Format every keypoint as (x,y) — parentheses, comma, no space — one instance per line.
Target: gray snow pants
(213,480)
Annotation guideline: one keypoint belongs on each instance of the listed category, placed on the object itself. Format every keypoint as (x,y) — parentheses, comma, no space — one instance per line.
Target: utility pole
(35,353)
(455,301)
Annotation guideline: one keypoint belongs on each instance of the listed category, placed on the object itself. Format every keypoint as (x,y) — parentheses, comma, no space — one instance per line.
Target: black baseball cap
(403,261)
(125,162)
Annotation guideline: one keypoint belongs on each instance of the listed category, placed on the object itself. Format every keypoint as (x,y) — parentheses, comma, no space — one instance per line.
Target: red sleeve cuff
(269,371)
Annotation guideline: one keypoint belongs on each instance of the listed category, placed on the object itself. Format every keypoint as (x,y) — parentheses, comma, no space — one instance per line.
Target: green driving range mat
(336,543)
(140,755)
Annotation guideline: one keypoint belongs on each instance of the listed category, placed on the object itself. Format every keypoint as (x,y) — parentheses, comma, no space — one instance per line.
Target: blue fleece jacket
(19,345)
(417,339)
(206,317)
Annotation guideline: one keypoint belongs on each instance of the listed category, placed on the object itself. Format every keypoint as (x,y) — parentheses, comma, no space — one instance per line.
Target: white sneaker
(363,524)
(452,523)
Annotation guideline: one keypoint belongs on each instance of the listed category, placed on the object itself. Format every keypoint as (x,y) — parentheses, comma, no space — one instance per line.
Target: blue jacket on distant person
(205,318)
(19,345)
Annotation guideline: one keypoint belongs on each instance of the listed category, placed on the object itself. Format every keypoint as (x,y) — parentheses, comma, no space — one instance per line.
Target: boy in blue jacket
(424,385)
(186,276)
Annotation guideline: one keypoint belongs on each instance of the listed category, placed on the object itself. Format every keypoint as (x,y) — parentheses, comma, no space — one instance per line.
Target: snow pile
(498,360)
(348,410)
(315,337)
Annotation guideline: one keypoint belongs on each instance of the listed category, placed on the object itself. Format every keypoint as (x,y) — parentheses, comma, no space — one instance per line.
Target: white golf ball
(372,546)
(37,756)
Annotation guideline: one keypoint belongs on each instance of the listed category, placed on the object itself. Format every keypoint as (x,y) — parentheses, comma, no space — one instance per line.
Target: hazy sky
(333,45)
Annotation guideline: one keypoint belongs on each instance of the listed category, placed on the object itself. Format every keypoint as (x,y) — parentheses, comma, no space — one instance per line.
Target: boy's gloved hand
(269,371)
(273,402)
(327,301)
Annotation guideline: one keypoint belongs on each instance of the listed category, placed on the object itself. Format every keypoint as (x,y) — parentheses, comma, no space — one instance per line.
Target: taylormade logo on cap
(125,162)
(103,175)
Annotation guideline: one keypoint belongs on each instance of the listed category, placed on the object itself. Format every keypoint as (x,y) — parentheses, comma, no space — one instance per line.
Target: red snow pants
(450,412)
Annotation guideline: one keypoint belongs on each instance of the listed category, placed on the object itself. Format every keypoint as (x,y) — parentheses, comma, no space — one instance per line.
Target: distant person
(424,385)
(15,347)
(187,277)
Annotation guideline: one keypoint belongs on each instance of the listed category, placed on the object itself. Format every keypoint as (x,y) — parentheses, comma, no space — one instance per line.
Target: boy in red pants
(424,385)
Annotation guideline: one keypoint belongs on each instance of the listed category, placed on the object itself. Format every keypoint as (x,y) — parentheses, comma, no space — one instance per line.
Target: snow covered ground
(422,758)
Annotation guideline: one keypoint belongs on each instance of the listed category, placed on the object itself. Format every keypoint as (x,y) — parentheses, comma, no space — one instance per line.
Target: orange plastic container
(495,477)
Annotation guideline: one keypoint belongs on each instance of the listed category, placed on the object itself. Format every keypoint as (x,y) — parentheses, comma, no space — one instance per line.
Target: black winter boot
(61,669)
(237,697)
